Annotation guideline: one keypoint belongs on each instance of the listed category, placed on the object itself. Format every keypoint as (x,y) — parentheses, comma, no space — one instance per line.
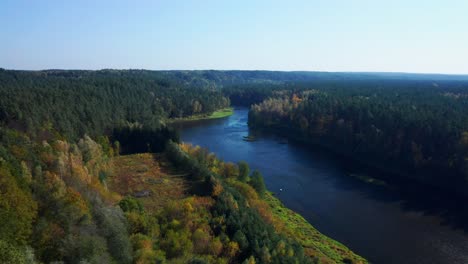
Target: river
(376,222)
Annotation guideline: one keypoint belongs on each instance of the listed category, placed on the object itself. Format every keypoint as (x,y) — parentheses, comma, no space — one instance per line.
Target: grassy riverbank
(225,112)
(285,222)
(315,243)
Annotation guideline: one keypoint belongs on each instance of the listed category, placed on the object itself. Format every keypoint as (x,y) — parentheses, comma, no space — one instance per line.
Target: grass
(315,243)
(152,172)
(225,112)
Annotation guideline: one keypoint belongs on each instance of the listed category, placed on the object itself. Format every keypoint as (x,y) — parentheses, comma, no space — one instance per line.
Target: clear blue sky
(332,35)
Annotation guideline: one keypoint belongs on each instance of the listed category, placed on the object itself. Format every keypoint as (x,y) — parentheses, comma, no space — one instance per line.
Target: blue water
(376,222)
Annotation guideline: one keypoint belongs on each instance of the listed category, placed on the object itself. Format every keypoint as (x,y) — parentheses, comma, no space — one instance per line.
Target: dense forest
(73,191)
(75,103)
(414,129)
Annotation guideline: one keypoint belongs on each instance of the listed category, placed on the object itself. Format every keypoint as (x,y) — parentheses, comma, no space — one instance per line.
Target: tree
(177,243)
(241,240)
(17,210)
(196,107)
(216,246)
(250,260)
(244,171)
(230,170)
(256,180)
(201,240)
(113,226)
(232,249)
(130,204)
(14,254)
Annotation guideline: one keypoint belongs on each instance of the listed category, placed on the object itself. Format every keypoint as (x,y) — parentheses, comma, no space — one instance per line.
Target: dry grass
(148,172)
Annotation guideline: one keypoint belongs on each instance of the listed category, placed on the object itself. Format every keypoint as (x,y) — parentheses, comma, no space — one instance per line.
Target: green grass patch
(225,112)
(315,243)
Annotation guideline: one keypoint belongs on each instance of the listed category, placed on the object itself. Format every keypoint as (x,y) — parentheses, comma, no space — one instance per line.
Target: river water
(379,223)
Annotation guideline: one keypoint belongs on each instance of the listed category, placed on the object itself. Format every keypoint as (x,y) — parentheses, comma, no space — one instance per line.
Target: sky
(421,36)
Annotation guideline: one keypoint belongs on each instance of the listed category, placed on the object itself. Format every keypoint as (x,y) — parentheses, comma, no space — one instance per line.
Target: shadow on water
(451,209)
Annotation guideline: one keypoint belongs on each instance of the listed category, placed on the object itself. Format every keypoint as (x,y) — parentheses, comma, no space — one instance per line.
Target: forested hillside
(414,129)
(75,103)
(68,196)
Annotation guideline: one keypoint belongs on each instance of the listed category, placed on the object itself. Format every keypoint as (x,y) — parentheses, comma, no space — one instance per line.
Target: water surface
(381,224)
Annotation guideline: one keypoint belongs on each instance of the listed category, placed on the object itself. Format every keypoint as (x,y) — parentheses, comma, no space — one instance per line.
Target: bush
(130,204)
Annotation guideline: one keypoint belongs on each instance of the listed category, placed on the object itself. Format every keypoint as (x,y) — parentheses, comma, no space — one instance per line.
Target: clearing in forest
(148,177)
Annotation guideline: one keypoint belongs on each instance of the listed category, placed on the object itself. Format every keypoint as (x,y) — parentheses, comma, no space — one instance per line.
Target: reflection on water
(377,222)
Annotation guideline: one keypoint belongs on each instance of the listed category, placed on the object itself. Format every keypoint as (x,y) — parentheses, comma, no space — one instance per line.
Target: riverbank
(315,243)
(396,176)
(384,226)
(225,112)
(256,213)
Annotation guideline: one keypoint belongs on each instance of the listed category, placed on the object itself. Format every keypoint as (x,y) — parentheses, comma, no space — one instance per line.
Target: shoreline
(311,239)
(220,113)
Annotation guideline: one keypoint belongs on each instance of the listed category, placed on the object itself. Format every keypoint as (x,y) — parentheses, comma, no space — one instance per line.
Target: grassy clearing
(315,243)
(148,172)
(225,112)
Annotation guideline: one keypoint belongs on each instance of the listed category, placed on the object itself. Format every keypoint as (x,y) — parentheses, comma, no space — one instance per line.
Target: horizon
(240,70)
(420,37)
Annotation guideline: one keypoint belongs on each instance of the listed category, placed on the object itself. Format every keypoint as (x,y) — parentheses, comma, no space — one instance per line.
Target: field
(150,177)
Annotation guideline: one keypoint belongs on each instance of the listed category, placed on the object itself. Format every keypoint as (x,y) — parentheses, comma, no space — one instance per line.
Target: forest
(75,103)
(90,172)
(415,130)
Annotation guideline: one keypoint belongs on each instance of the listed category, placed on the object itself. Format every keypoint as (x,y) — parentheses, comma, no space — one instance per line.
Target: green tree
(130,204)
(177,243)
(244,171)
(14,254)
(256,180)
(17,210)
